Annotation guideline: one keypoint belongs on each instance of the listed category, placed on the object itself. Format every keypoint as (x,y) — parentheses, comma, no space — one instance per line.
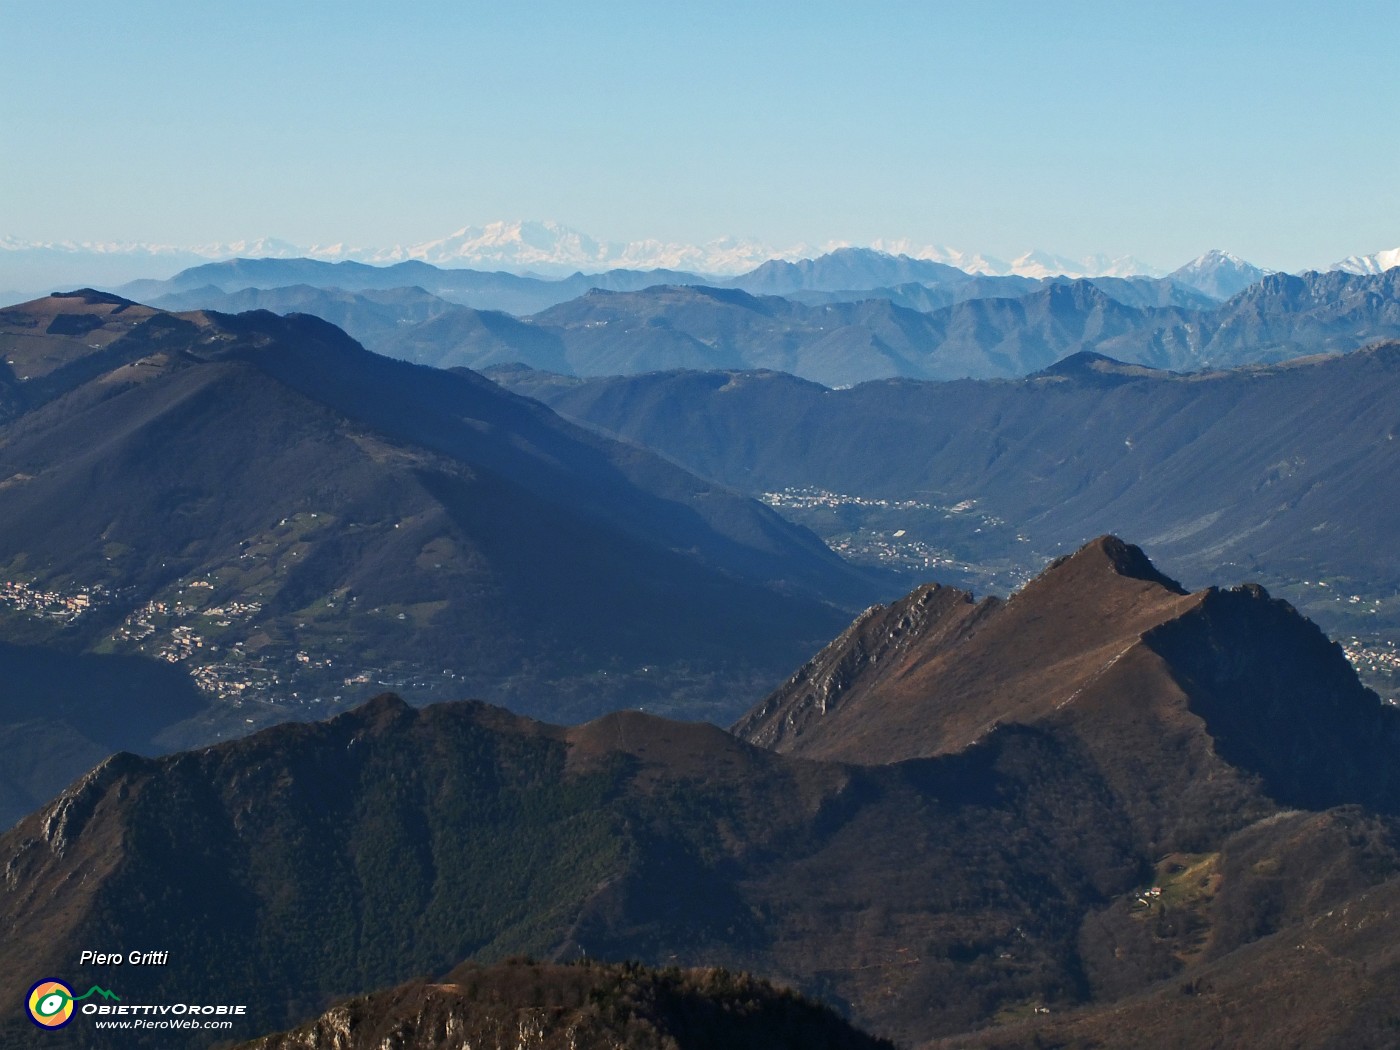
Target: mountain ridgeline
(936,671)
(849,316)
(332,522)
(844,272)
(962,821)
(844,343)
(1283,473)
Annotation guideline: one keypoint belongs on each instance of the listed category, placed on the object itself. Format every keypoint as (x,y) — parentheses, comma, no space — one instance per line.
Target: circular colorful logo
(51,1004)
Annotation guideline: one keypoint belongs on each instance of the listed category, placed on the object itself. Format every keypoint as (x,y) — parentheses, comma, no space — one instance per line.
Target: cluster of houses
(807,498)
(1380,658)
(57,605)
(895,550)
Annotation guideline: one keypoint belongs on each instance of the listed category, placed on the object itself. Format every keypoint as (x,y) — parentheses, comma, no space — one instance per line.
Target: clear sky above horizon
(1152,129)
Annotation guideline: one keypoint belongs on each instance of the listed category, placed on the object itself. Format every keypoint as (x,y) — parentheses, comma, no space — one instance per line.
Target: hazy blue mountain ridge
(979,327)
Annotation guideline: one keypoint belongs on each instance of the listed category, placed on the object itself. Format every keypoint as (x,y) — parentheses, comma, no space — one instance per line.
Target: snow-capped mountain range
(1377,263)
(1034,263)
(551,249)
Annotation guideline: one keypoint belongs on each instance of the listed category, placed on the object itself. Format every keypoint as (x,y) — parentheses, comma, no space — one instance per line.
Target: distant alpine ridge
(1378,262)
(553,249)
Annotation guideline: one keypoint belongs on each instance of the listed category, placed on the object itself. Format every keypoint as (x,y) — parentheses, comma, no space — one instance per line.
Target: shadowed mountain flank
(331,520)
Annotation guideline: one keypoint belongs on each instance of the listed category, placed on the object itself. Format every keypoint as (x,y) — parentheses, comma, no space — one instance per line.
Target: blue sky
(1158,130)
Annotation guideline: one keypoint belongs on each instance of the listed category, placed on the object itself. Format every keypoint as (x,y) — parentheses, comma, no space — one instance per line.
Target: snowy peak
(1039,263)
(1218,274)
(1035,263)
(553,249)
(542,248)
(260,248)
(968,262)
(512,245)
(1366,264)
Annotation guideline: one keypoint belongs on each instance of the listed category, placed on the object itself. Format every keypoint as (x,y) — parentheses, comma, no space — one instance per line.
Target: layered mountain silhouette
(1285,473)
(1073,800)
(1130,291)
(837,343)
(369,316)
(1278,318)
(848,317)
(534,248)
(843,271)
(292,519)
(480,289)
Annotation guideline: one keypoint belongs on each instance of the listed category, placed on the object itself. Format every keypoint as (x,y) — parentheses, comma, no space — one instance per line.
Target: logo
(51,1002)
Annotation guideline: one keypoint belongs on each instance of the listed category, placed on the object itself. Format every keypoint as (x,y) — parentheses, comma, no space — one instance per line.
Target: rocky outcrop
(523,1005)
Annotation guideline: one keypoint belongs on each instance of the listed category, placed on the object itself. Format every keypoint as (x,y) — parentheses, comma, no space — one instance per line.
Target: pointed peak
(379,713)
(1218,274)
(1215,258)
(1219,255)
(1120,558)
